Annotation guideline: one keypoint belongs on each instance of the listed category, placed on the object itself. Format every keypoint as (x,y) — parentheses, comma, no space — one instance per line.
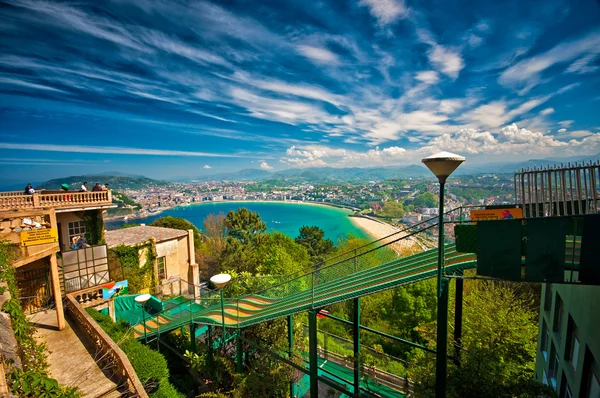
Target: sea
(286,218)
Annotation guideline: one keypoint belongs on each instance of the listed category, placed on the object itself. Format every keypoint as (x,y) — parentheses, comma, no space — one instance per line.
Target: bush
(116,330)
(166,390)
(150,366)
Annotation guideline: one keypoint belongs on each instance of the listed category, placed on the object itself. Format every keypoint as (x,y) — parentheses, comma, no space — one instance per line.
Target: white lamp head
(220,280)
(443,164)
(142,298)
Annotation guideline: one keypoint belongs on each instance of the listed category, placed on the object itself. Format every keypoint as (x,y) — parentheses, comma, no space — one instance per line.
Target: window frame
(164,267)
(73,226)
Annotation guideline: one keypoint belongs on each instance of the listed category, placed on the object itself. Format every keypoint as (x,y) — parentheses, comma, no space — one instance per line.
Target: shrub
(166,390)
(150,366)
(116,330)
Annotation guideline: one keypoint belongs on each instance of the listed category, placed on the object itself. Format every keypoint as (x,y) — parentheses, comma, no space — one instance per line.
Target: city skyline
(177,88)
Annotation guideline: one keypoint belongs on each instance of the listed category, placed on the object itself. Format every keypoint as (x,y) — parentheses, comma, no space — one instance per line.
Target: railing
(45,199)
(112,355)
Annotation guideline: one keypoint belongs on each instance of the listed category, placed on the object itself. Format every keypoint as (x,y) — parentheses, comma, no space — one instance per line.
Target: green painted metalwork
(590,250)
(313,354)
(356,341)
(458,315)
(238,351)
(466,238)
(499,249)
(290,328)
(545,259)
(442,340)
(193,337)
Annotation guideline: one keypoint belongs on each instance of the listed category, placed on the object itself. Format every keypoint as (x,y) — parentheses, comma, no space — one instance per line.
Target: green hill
(115,182)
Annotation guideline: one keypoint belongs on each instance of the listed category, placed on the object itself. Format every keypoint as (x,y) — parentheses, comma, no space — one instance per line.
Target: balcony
(59,200)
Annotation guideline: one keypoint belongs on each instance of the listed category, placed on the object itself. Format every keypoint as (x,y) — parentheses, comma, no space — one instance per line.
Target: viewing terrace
(61,201)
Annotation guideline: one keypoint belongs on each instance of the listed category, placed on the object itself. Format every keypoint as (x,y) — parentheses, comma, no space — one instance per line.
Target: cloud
(447,61)
(207,167)
(111,150)
(562,130)
(265,166)
(23,83)
(528,71)
(566,123)
(428,76)
(547,111)
(386,11)
(319,55)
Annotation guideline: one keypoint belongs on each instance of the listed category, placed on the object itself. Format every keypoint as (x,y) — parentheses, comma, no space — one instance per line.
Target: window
(572,353)
(553,370)
(545,340)
(76,228)
(558,315)
(594,386)
(548,297)
(162,269)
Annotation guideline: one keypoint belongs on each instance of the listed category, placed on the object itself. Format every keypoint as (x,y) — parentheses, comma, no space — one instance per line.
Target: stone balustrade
(53,199)
(112,356)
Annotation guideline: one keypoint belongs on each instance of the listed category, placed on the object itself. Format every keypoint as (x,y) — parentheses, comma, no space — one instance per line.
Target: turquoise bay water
(286,218)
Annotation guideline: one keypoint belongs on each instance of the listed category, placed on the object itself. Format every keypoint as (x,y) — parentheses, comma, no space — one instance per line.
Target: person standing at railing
(84,187)
(97,188)
(29,190)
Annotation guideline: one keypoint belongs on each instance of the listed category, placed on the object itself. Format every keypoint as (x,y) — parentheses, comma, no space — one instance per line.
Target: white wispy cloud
(528,71)
(319,55)
(386,11)
(547,111)
(428,76)
(446,60)
(206,167)
(112,150)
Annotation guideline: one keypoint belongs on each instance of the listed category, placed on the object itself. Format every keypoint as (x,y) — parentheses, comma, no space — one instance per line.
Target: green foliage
(116,330)
(391,210)
(244,225)
(38,385)
(278,254)
(139,278)
(426,199)
(181,224)
(123,200)
(498,345)
(94,226)
(312,238)
(33,380)
(149,365)
(116,182)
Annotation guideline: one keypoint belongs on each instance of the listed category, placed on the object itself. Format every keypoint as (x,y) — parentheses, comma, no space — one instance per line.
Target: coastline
(299,202)
(378,229)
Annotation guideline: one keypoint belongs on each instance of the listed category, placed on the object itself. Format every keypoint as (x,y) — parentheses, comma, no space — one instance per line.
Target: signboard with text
(39,236)
(496,214)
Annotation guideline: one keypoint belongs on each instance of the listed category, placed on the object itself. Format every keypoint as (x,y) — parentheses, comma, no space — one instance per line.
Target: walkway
(71,357)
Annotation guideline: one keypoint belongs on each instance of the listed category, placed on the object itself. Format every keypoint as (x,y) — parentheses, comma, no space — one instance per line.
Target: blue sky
(185,88)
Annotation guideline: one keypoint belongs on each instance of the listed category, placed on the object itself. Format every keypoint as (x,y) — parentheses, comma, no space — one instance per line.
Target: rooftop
(138,235)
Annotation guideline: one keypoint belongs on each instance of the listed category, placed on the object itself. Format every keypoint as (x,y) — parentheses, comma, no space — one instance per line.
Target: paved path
(71,357)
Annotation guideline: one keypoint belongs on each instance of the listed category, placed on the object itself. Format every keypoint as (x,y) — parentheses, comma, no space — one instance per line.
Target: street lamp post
(442,165)
(220,281)
(142,299)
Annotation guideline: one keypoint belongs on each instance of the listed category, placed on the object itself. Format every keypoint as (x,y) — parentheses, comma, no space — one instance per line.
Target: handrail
(311,270)
(112,353)
(20,200)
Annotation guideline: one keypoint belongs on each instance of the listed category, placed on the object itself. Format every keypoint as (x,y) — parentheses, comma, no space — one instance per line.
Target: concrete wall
(582,305)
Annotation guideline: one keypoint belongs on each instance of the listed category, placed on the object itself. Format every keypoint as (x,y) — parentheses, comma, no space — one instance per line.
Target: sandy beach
(378,230)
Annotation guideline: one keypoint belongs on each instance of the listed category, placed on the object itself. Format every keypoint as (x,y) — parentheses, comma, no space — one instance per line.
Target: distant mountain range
(313,175)
(115,182)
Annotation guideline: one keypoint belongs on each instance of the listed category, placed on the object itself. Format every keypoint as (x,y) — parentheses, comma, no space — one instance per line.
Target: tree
(498,346)
(179,223)
(244,225)
(312,238)
(426,199)
(391,209)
